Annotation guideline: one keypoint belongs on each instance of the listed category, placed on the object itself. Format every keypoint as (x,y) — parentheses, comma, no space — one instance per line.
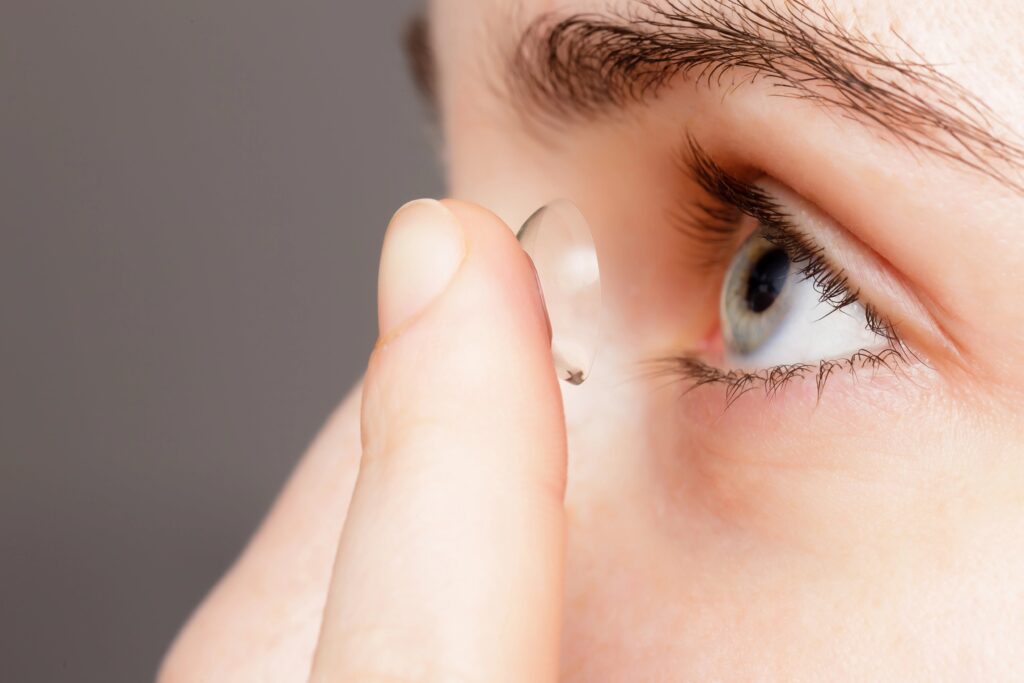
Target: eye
(787,311)
(773,315)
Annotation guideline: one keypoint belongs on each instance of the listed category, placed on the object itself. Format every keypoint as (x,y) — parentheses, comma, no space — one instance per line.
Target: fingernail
(423,248)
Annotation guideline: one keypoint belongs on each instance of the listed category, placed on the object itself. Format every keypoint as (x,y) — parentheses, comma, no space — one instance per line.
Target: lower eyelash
(695,373)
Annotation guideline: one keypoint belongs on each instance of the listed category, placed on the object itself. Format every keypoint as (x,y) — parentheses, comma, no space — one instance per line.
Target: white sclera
(558,239)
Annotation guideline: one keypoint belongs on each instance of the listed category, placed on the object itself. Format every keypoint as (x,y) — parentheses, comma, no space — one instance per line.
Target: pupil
(766,280)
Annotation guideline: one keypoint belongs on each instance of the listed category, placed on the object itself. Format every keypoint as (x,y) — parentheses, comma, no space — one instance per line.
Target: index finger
(450,563)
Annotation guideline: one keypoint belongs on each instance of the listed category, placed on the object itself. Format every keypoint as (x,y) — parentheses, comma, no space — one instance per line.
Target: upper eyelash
(717,227)
(738,198)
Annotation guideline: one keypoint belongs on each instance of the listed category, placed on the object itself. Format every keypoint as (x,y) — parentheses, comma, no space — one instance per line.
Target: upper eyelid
(746,196)
(877,282)
(764,199)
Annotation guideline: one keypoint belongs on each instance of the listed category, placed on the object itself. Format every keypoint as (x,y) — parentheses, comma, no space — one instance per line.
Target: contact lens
(558,239)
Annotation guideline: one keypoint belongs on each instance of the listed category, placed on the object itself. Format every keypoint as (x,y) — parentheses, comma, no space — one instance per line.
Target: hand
(450,562)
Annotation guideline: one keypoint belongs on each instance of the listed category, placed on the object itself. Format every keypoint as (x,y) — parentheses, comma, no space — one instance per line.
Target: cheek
(695,554)
(622,617)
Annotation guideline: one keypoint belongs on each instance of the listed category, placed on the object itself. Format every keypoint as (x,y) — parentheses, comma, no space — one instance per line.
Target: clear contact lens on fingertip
(558,239)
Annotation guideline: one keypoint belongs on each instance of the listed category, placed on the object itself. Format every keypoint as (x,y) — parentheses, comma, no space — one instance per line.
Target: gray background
(192,201)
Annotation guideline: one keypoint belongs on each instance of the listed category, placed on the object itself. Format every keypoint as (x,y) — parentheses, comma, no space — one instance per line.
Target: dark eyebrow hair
(585,64)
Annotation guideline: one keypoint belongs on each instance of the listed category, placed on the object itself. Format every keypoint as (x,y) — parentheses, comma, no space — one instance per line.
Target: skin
(871,534)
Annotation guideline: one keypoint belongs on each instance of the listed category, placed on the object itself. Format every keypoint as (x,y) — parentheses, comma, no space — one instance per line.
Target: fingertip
(424,246)
(477,215)
(490,228)
(486,336)
(458,511)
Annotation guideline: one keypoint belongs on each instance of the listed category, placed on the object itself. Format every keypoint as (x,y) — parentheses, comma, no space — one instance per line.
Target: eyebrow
(586,64)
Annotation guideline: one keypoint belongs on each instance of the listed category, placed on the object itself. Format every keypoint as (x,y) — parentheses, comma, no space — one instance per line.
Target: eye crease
(785,313)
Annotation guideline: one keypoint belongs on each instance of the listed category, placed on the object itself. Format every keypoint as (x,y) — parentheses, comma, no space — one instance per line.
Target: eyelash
(716,227)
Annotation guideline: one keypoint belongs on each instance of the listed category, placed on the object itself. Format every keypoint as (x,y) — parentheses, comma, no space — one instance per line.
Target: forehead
(974,42)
